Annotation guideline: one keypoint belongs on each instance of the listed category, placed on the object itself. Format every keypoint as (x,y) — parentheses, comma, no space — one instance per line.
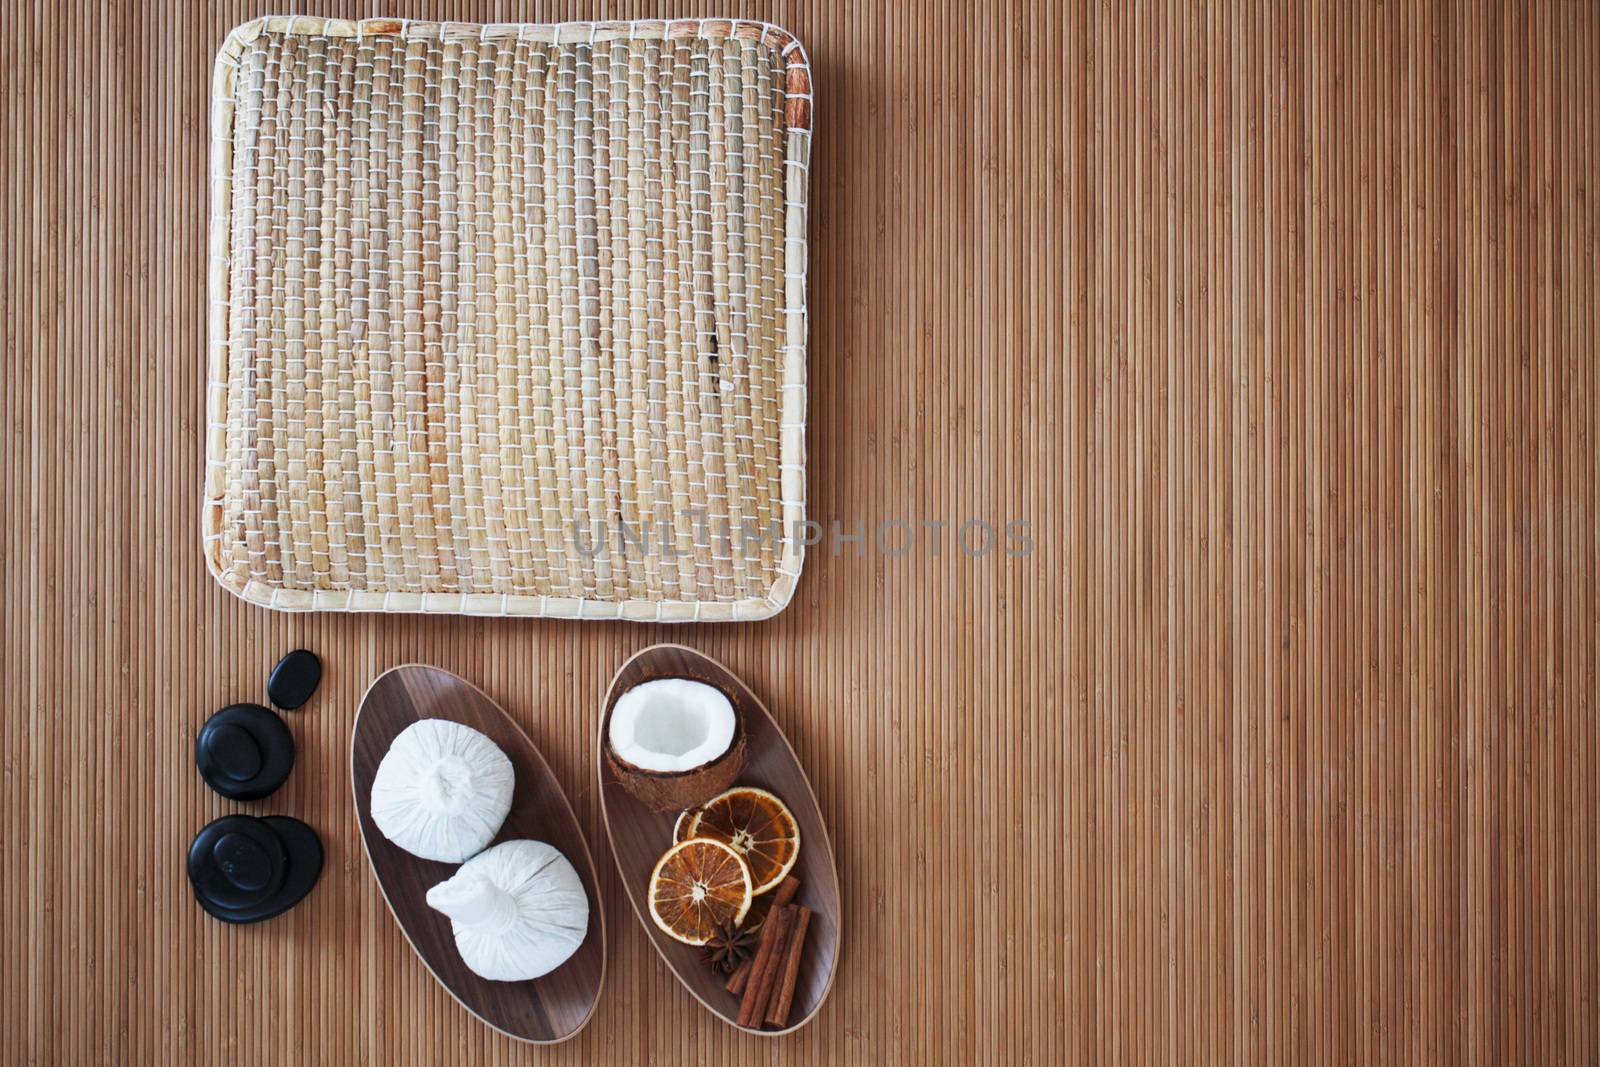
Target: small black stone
(235,752)
(243,862)
(294,679)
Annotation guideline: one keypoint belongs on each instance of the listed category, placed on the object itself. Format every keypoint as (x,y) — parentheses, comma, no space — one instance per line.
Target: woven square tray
(508,319)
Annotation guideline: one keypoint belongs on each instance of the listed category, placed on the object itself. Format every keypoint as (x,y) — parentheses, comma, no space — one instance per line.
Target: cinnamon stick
(789,971)
(772,902)
(780,896)
(757,994)
(784,893)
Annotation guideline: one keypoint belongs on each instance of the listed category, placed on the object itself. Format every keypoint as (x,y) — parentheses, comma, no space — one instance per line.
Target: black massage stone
(246,869)
(244,752)
(294,679)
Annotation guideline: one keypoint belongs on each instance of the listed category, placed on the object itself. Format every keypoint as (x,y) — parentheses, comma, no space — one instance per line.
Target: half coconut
(675,743)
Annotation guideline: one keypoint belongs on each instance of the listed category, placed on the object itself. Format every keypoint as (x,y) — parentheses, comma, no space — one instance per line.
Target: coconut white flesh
(442,790)
(518,910)
(671,725)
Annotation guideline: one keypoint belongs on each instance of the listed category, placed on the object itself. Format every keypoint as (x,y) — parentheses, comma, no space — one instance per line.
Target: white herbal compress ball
(442,790)
(518,910)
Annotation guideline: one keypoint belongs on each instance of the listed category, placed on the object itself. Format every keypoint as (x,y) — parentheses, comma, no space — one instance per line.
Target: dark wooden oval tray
(639,836)
(544,1010)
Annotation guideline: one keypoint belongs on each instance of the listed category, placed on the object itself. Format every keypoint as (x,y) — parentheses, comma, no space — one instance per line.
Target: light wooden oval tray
(544,1010)
(639,836)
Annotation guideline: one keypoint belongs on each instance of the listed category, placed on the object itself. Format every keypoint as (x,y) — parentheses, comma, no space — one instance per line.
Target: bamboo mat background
(1277,324)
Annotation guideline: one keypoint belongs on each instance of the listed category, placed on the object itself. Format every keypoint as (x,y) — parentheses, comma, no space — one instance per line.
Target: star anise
(729,946)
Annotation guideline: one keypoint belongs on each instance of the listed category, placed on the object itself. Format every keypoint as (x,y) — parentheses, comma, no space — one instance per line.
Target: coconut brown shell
(676,790)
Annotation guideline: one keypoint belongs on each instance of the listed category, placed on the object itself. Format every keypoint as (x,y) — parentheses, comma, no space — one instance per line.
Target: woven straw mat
(508,319)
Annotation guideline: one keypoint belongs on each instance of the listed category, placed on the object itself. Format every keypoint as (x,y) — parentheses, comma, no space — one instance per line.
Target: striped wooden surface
(1278,324)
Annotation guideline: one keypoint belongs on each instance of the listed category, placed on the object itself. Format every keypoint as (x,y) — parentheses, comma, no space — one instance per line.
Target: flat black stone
(237,862)
(244,752)
(236,752)
(246,869)
(245,863)
(294,679)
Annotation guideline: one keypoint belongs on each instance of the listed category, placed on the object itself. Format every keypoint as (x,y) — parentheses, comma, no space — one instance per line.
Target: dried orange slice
(758,826)
(684,823)
(696,885)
